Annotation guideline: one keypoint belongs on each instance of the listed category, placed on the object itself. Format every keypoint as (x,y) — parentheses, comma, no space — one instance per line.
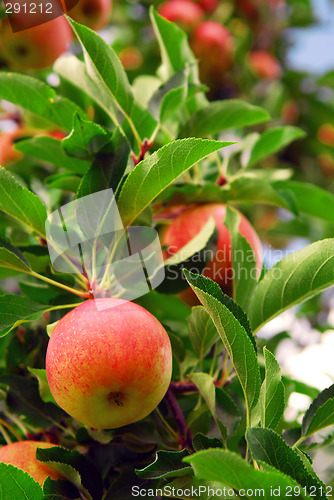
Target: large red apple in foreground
(22,455)
(35,48)
(219,268)
(109,363)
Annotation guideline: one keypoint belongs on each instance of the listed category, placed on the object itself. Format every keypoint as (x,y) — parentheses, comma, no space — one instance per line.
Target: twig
(184,431)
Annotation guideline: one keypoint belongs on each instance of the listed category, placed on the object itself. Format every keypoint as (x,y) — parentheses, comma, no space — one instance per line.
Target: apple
(37,47)
(213,45)
(326,134)
(22,454)
(7,152)
(93,13)
(108,363)
(326,162)
(130,58)
(189,223)
(182,12)
(206,5)
(264,65)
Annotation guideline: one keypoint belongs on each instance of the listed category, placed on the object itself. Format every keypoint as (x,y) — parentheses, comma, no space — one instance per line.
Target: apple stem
(184,431)
(145,146)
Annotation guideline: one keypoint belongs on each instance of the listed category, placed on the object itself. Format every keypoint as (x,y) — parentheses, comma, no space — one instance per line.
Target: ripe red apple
(213,45)
(93,13)
(35,48)
(326,134)
(22,454)
(108,363)
(182,12)
(264,65)
(190,222)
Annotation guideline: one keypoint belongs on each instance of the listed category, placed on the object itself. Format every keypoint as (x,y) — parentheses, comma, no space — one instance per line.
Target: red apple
(213,45)
(108,363)
(326,134)
(93,13)
(326,162)
(130,58)
(22,454)
(7,152)
(264,65)
(35,48)
(219,268)
(206,5)
(182,12)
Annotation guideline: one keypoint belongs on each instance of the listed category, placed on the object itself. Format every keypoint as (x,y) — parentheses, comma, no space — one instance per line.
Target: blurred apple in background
(93,13)
(213,45)
(264,65)
(185,13)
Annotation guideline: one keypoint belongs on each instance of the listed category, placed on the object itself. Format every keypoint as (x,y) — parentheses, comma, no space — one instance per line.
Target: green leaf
(170,96)
(152,175)
(12,258)
(66,182)
(176,54)
(77,468)
(233,471)
(71,69)
(20,203)
(222,115)
(35,96)
(43,385)
(15,483)
(86,138)
(273,140)
(202,332)
(272,394)
(108,167)
(269,447)
(243,260)
(103,65)
(292,280)
(23,399)
(207,389)
(310,199)
(320,414)
(203,442)
(15,309)
(233,334)
(166,464)
(48,149)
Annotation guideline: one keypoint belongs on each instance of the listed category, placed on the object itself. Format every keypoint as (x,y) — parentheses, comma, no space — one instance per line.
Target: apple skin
(108,363)
(22,454)
(189,223)
(264,65)
(205,5)
(182,12)
(7,152)
(213,45)
(35,48)
(326,134)
(93,13)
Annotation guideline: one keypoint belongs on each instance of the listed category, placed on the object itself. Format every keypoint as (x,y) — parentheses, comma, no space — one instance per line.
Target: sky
(313,47)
